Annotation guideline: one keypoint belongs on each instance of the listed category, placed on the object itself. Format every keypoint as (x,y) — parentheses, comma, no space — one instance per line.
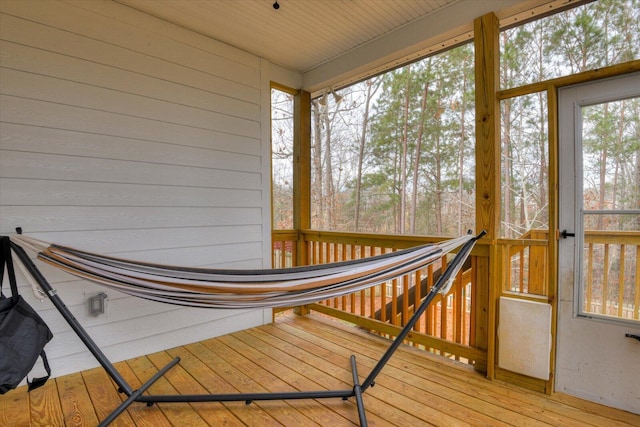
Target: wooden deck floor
(301,353)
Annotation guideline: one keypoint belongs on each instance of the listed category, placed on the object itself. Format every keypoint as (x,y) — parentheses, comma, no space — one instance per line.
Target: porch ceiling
(329,40)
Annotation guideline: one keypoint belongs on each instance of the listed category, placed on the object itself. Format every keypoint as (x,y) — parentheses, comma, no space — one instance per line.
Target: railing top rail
(522,242)
(400,241)
(393,241)
(284,234)
(616,237)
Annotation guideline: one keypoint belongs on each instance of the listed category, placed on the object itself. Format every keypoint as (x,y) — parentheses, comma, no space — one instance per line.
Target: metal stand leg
(136,394)
(460,257)
(123,386)
(357,392)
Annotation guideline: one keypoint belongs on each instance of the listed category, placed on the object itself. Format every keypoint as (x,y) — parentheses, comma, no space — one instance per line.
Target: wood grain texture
(310,353)
(77,406)
(486,51)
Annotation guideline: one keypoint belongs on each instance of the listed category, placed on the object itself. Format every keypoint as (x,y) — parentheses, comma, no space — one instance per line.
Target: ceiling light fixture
(336,97)
(325,95)
(323,99)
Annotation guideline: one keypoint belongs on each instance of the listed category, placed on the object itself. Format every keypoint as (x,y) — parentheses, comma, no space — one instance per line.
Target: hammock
(233,288)
(219,288)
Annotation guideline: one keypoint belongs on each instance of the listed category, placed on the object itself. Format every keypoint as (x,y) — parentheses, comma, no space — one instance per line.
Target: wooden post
(487,68)
(302,176)
(302,171)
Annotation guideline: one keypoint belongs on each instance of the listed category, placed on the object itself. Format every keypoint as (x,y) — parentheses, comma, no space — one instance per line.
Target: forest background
(396,153)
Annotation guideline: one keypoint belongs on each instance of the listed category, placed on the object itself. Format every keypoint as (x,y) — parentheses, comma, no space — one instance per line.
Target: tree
(282,159)
(396,154)
(372,87)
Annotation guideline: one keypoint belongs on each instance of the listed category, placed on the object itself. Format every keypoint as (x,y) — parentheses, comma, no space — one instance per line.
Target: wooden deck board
(335,373)
(301,353)
(403,389)
(441,394)
(212,413)
(141,415)
(76,403)
(259,378)
(176,413)
(215,373)
(427,408)
(45,406)
(304,363)
(526,404)
(278,376)
(104,395)
(14,408)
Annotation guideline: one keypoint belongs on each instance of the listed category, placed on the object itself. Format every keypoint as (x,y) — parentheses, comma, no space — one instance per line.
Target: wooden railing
(448,325)
(283,248)
(524,263)
(611,267)
(612,273)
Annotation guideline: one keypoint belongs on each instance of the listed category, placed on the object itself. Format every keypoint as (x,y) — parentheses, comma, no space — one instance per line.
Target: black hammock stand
(137,395)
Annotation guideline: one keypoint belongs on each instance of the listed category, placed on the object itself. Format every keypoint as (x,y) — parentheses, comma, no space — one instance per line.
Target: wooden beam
(487,67)
(301,171)
(487,124)
(585,76)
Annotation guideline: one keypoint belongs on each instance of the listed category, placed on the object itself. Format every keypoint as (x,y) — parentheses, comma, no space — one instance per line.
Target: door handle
(565,234)
(635,337)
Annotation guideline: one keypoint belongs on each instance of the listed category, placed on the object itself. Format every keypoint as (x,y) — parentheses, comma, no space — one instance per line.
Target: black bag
(23,334)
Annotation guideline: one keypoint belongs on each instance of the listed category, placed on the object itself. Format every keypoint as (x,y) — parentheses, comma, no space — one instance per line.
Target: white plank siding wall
(126,135)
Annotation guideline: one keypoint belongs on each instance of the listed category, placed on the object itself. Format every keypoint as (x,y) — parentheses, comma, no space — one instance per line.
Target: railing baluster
(362,292)
(405,298)
(383,296)
(353,295)
(621,277)
(428,323)
(394,301)
(333,257)
(443,306)
(443,316)
(320,250)
(372,292)
(417,296)
(472,297)
(589,281)
(343,257)
(457,300)
(465,324)
(605,280)
(636,305)
(521,271)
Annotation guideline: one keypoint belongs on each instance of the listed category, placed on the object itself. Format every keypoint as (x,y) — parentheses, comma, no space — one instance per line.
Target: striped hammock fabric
(224,288)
